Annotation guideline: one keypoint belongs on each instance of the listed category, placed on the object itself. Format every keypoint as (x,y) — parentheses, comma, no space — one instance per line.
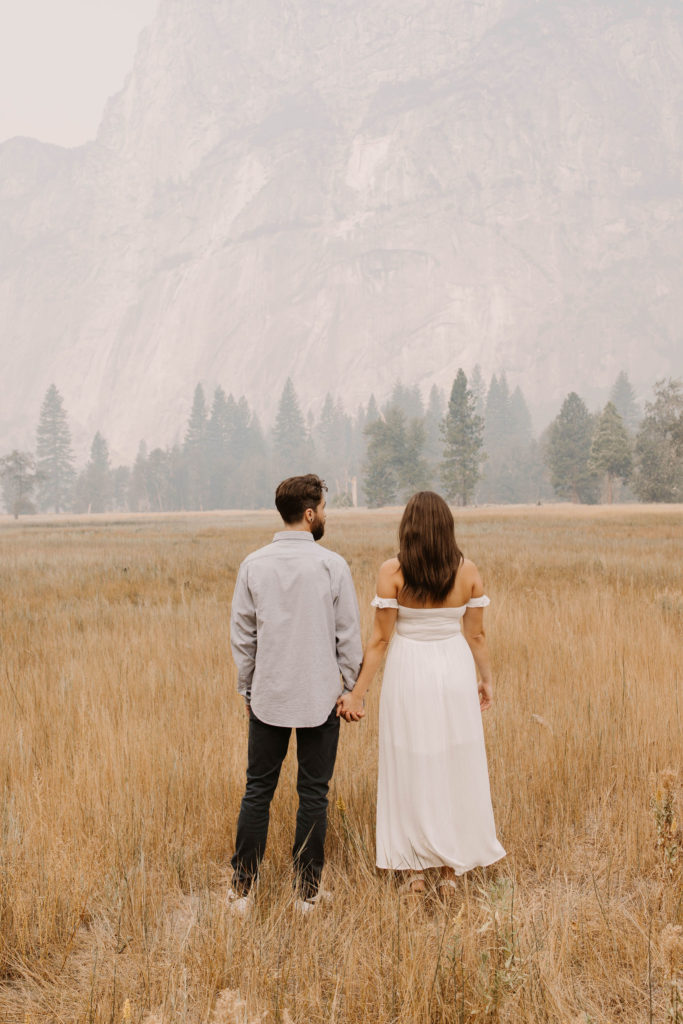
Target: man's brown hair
(297,493)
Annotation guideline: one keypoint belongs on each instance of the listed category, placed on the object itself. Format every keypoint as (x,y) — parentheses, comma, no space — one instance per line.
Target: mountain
(351,194)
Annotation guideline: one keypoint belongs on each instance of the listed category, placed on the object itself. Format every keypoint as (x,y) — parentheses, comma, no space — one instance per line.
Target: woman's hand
(485,694)
(351,708)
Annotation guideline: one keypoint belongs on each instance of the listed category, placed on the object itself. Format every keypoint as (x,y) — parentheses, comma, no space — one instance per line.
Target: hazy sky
(60,60)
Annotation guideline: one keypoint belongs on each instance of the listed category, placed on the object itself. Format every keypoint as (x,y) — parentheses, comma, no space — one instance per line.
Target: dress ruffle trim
(391,602)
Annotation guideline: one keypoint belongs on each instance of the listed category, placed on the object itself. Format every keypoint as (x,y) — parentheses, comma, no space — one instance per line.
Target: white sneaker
(306,906)
(239,904)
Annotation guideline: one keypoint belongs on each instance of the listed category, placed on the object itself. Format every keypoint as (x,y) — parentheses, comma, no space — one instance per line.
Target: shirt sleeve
(347,628)
(243,633)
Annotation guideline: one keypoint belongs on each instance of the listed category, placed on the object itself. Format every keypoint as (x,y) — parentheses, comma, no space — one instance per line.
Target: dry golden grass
(122,751)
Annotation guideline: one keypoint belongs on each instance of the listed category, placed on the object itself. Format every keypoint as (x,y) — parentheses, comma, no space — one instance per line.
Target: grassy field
(122,753)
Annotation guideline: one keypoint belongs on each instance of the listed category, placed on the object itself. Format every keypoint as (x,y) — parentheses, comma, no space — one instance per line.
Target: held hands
(485,694)
(351,708)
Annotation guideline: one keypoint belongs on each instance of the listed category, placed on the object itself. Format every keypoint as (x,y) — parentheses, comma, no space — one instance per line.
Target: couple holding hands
(295,630)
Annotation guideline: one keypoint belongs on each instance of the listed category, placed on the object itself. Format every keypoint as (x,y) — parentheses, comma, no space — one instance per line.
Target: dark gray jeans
(316,751)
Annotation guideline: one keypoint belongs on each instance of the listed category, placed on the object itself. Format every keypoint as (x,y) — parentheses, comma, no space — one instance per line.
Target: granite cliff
(347,195)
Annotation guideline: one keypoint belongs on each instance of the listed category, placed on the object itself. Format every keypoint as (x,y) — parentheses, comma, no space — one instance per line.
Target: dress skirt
(433,798)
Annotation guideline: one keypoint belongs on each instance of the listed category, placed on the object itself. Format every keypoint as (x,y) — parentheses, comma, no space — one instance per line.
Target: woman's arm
(473,630)
(351,706)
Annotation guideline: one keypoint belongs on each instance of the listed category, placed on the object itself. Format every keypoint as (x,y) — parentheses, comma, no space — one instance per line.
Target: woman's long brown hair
(428,552)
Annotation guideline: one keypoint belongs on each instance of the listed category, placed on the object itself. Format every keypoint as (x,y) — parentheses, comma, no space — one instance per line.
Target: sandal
(446,887)
(407,887)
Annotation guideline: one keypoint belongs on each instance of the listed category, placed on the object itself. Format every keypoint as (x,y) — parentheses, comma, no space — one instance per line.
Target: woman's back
(463,589)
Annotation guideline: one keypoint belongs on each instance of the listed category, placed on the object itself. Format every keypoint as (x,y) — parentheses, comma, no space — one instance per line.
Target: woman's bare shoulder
(470,577)
(389,578)
(390,568)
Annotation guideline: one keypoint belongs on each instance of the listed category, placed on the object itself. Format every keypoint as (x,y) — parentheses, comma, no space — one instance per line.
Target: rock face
(349,194)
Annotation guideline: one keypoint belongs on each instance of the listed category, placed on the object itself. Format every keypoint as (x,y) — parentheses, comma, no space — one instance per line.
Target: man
(294,628)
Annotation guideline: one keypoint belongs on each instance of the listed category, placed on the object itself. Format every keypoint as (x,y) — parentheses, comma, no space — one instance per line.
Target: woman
(433,798)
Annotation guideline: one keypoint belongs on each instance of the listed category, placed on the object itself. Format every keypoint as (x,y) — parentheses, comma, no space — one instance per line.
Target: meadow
(122,755)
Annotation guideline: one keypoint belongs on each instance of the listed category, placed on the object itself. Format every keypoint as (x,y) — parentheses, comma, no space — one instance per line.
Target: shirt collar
(293,535)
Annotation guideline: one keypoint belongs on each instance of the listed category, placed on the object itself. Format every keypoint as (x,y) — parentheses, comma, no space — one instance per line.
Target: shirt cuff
(349,684)
(244,688)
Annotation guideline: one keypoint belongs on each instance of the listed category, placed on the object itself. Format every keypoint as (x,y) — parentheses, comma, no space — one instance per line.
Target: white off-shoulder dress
(433,795)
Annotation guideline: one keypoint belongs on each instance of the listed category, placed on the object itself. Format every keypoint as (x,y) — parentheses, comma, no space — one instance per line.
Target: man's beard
(317,528)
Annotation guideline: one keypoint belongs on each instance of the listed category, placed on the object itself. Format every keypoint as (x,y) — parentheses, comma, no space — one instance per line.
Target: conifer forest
(475,445)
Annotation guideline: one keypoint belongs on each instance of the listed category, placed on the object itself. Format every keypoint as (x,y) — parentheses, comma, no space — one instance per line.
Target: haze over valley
(351,195)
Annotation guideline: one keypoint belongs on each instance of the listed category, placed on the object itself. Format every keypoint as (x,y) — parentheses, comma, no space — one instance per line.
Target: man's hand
(351,708)
(247,707)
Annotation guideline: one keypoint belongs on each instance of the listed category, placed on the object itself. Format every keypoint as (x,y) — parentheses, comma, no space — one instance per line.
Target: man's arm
(243,634)
(347,629)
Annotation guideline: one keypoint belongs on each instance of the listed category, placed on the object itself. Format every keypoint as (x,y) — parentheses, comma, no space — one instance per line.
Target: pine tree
(362,438)
(372,412)
(623,397)
(380,479)
(462,432)
(138,498)
(242,447)
(497,413)
(432,428)
(158,480)
(121,477)
(359,422)
(495,478)
(219,454)
(512,469)
(568,452)
(345,488)
(395,466)
(195,453)
(333,434)
(478,389)
(405,441)
(256,486)
(528,472)
(18,474)
(291,441)
(408,400)
(610,453)
(172,465)
(413,470)
(327,441)
(95,487)
(55,460)
(659,445)
(519,418)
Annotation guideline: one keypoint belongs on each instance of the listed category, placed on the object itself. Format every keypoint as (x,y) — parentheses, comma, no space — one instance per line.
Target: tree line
(476,444)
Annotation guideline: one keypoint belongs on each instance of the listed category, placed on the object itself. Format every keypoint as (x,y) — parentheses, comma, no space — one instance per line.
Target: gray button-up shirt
(294,627)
